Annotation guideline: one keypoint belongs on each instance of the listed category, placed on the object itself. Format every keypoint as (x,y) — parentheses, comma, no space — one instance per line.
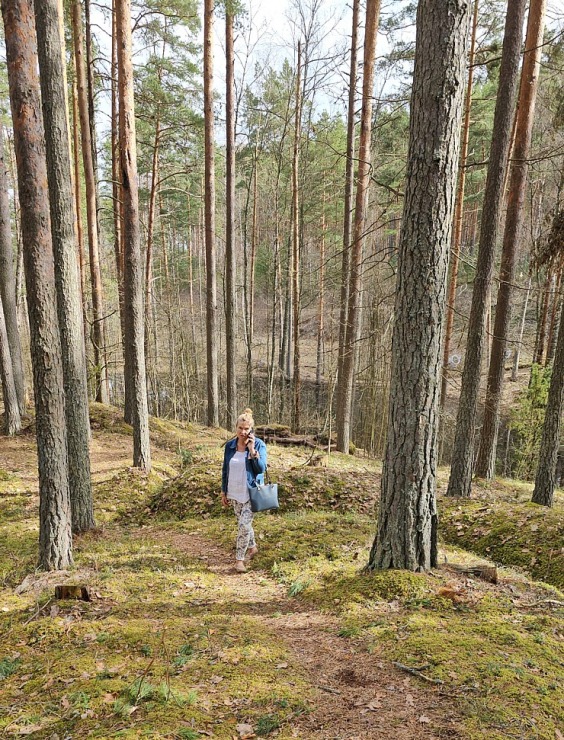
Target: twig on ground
(328,689)
(417,672)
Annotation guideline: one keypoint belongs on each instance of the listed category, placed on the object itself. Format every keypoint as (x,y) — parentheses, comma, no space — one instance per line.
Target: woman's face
(243,430)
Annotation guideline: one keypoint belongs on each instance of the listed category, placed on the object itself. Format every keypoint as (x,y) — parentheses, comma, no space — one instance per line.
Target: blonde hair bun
(246,417)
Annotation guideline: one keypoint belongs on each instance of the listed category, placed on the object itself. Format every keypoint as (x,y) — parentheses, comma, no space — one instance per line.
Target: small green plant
(186,458)
(298,586)
(186,734)
(527,422)
(183,656)
(349,632)
(8,666)
(267,724)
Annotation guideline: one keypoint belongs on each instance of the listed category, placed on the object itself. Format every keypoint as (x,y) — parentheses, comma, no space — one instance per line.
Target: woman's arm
(259,463)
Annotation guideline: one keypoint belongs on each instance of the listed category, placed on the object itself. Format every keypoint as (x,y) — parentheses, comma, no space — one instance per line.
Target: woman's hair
(246,417)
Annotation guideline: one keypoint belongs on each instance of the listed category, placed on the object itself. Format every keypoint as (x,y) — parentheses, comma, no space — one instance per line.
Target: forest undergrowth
(174,644)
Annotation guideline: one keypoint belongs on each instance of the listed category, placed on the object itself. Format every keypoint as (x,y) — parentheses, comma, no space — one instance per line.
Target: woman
(244,465)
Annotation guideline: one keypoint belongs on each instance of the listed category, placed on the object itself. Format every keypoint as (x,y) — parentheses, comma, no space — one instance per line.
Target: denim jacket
(255,468)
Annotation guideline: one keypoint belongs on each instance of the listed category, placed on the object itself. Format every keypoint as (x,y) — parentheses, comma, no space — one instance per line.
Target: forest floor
(175,644)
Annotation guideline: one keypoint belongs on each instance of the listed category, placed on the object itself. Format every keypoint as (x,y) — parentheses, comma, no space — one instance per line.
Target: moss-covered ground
(172,647)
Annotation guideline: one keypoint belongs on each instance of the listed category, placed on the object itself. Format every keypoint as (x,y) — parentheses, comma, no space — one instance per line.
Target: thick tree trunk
(209,202)
(407,521)
(8,283)
(463,452)
(550,442)
(133,263)
(295,287)
(459,210)
(485,463)
(345,388)
(555,314)
(12,419)
(59,175)
(101,371)
(55,540)
(230,274)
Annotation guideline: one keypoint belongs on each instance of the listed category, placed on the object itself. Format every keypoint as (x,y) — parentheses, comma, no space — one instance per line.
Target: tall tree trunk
(485,463)
(554,319)
(519,344)
(55,540)
(8,284)
(117,199)
(209,203)
(295,261)
(133,263)
(321,310)
(541,328)
(459,210)
(407,521)
(345,388)
(12,419)
(230,274)
(349,181)
(463,451)
(546,472)
(59,177)
(78,209)
(101,370)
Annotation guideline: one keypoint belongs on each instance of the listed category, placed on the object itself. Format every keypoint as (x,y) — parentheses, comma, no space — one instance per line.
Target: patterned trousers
(245,532)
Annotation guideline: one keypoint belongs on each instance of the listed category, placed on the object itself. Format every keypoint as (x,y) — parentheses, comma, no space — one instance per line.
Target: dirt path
(358,696)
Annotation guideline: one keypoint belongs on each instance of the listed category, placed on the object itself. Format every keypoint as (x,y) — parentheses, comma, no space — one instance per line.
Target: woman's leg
(245,533)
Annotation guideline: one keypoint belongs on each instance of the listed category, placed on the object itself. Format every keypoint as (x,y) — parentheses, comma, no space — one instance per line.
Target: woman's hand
(224,501)
(251,446)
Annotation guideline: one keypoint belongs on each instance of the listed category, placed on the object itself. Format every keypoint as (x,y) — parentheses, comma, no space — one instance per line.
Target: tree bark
(545,480)
(345,388)
(349,180)
(459,209)
(78,210)
(485,464)
(463,452)
(8,284)
(12,419)
(295,262)
(55,540)
(59,176)
(407,521)
(101,371)
(133,263)
(209,204)
(230,272)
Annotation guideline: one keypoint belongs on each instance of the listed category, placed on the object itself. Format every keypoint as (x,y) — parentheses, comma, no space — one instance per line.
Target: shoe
(252,551)
(240,566)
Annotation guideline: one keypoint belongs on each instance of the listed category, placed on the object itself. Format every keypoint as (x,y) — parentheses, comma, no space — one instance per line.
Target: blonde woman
(244,465)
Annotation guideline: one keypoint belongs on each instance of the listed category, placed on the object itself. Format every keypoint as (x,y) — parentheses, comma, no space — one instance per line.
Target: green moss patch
(519,535)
